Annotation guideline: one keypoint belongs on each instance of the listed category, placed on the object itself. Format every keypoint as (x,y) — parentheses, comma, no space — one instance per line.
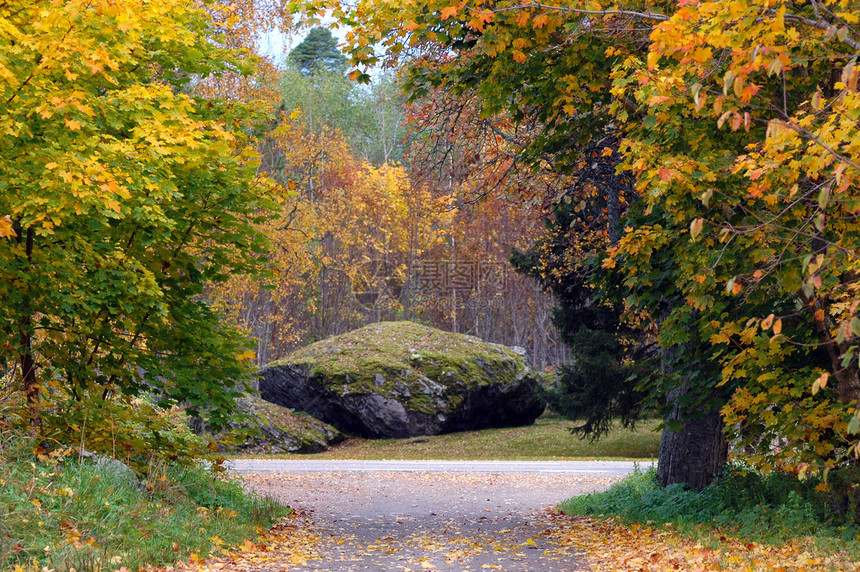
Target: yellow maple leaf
(450,11)
(109,187)
(540,20)
(6,230)
(522,18)
(113,205)
(476,24)
(246,355)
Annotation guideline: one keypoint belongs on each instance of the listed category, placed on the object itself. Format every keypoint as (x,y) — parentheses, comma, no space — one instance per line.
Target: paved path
(522,467)
(432,515)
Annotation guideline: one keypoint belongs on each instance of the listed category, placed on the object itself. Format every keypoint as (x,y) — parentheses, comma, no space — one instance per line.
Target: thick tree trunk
(847,378)
(694,454)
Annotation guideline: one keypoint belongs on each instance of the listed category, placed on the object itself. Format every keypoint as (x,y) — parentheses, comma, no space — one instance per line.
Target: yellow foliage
(342,246)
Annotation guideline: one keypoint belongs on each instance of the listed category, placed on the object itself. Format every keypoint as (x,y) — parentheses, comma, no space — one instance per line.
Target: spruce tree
(318,52)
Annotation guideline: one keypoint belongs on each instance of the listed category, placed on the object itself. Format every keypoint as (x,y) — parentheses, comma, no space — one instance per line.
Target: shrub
(130,429)
(771,508)
(66,514)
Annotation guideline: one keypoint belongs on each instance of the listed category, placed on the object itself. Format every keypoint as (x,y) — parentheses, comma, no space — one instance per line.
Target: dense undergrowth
(68,514)
(60,510)
(771,509)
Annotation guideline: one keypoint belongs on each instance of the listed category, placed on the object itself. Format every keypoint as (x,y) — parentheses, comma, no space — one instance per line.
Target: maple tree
(737,121)
(344,240)
(123,194)
(240,25)
(770,262)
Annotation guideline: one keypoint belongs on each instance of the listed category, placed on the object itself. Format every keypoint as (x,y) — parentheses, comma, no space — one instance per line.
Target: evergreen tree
(318,52)
(599,384)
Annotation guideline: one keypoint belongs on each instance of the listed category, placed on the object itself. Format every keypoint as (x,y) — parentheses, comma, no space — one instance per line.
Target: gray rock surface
(400,379)
(111,465)
(271,429)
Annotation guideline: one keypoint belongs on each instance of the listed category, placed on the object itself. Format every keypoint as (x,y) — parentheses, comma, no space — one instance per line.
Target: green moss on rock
(386,356)
(270,428)
(399,379)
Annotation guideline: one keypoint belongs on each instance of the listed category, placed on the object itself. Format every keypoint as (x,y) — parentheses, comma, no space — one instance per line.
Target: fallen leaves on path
(295,545)
(390,522)
(289,543)
(606,544)
(611,545)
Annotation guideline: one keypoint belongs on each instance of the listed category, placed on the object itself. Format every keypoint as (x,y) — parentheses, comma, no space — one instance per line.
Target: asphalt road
(520,467)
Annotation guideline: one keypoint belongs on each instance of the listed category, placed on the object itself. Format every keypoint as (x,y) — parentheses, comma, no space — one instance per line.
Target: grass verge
(65,514)
(547,439)
(776,510)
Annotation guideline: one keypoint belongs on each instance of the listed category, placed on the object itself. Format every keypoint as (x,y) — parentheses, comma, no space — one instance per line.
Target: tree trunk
(847,378)
(694,454)
(28,377)
(28,363)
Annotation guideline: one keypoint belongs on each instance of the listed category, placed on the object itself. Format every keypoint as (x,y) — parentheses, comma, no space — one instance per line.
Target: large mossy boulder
(401,379)
(267,428)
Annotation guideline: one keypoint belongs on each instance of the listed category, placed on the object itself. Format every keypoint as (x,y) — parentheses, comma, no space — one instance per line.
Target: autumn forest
(657,201)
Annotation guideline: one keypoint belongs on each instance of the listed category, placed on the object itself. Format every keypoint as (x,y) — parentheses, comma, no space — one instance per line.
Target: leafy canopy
(738,123)
(122,194)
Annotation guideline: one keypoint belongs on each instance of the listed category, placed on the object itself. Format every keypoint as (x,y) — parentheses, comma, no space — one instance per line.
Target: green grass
(771,509)
(548,439)
(72,515)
